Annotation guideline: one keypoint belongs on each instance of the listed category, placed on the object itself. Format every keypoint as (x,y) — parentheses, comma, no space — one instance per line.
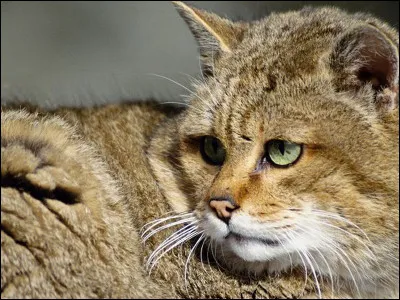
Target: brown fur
(77,187)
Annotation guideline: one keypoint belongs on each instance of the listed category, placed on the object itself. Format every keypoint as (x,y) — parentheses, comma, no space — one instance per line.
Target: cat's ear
(367,56)
(214,35)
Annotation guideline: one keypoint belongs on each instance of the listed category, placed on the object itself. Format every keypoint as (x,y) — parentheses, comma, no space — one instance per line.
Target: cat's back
(134,119)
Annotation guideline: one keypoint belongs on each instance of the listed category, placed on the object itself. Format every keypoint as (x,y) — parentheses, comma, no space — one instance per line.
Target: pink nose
(223,207)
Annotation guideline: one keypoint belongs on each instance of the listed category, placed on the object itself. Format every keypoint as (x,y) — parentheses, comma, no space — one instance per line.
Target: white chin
(247,249)
(252,250)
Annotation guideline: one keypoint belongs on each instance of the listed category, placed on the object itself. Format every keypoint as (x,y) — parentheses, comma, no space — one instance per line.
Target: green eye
(212,150)
(282,153)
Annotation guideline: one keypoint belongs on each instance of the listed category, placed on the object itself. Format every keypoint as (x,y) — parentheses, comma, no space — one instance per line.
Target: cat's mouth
(241,238)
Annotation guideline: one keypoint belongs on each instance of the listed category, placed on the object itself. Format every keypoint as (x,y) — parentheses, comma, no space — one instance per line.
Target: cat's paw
(51,216)
(44,157)
(25,165)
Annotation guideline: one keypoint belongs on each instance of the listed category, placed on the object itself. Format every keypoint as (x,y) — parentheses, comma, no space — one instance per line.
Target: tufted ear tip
(179,5)
(213,34)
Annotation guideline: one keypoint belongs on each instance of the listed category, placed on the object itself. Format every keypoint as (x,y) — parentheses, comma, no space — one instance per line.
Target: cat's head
(288,151)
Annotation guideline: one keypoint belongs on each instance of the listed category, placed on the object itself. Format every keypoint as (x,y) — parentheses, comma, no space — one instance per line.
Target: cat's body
(128,130)
(311,78)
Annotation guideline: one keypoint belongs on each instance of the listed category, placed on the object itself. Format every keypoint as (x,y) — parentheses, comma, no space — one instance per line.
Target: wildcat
(283,167)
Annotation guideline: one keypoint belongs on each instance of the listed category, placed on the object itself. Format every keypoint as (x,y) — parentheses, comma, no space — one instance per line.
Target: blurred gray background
(84,53)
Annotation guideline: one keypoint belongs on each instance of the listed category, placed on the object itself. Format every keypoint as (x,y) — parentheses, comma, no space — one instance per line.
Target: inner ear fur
(366,55)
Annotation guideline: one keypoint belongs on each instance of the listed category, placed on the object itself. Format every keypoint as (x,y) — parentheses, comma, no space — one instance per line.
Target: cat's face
(282,162)
(324,194)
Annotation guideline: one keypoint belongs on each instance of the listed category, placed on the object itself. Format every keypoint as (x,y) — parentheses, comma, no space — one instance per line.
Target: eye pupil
(212,150)
(215,145)
(282,153)
(281,148)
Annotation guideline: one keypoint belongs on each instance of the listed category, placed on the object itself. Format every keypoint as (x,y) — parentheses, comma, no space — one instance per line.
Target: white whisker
(177,234)
(287,251)
(184,104)
(190,254)
(181,85)
(201,253)
(305,253)
(289,238)
(334,246)
(215,256)
(173,81)
(338,217)
(201,70)
(355,268)
(212,60)
(323,258)
(202,84)
(187,237)
(223,254)
(208,251)
(155,220)
(348,233)
(158,221)
(311,257)
(178,103)
(329,270)
(172,238)
(152,232)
